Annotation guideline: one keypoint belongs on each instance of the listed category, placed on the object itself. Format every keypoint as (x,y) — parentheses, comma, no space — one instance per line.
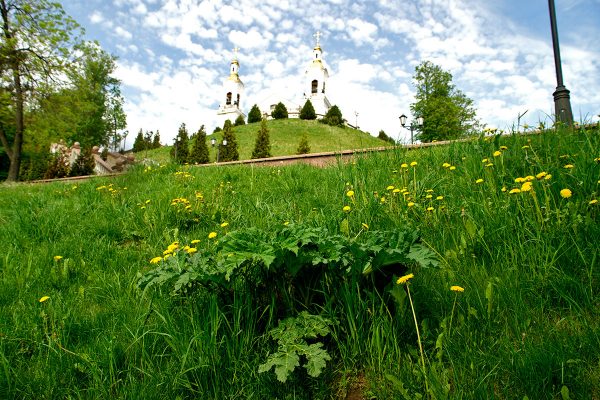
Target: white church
(315,77)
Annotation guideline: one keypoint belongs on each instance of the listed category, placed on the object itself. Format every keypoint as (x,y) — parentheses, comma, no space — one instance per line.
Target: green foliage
(383,136)
(230,151)
(280,111)
(180,149)
(139,144)
(447,113)
(303,146)
(239,121)
(199,152)
(308,111)
(254,115)
(58,166)
(156,140)
(333,117)
(37,42)
(262,146)
(84,164)
(291,335)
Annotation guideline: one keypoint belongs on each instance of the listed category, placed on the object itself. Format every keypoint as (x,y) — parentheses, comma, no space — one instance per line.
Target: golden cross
(235,50)
(318,36)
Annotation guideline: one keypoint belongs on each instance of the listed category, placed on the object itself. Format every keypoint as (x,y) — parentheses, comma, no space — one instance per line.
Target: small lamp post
(213,142)
(413,125)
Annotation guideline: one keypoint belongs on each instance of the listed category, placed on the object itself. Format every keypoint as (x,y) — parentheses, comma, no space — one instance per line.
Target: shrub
(280,112)
(254,115)
(308,111)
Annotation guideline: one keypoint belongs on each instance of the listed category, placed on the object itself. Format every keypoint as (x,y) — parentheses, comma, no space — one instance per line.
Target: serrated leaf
(284,362)
(422,255)
(316,359)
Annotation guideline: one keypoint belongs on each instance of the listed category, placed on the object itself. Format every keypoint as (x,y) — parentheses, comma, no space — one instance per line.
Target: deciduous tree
(37,39)
(447,113)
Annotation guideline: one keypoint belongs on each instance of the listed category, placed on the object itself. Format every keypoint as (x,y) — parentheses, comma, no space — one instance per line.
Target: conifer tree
(308,111)
(333,117)
(200,149)
(84,164)
(156,140)
(254,115)
(303,146)
(239,121)
(280,111)
(139,144)
(180,149)
(262,146)
(148,140)
(229,152)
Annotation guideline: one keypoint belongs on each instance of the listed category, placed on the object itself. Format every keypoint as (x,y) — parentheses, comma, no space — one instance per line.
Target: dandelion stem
(418,336)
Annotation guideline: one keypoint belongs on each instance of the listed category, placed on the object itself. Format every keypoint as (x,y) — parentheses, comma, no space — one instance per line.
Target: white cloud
(96,17)
(123,33)
(361,31)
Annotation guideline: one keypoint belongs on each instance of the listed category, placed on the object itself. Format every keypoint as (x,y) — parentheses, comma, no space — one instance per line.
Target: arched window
(323,87)
(237,103)
(315,85)
(228,101)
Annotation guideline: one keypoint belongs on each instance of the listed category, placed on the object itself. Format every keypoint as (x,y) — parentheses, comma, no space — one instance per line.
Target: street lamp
(562,102)
(413,125)
(213,142)
(356,120)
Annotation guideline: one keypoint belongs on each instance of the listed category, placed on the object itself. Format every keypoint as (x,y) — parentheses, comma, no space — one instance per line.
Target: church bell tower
(233,88)
(316,76)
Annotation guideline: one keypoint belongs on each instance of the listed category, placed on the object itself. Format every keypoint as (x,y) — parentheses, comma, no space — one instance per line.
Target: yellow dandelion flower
(526,187)
(346,209)
(568,166)
(489,165)
(44,298)
(478,181)
(457,289)
(195,241)
(548,177)
(429,191)
(452,168)
(413,164)
(445,165)
(167,251)
(404,279)
(350,193)
(156,260)
(396,190)
(519,180)
(503,148)
(167,256)
(382,199)
(225,224)
(192,250)
(58,258)
(430,208)
(525,147)
(410,204)
(389,188)
(566,193)
(365,226)
(404,165)
(541,175)
(503,188)
(286,223)
(440,198)
(212,235)
(147,201)
(592,202)
(514,191)
(428,196)
(497,153)
(485,160)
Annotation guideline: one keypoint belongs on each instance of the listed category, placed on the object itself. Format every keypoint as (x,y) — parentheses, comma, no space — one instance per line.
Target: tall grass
(527,323)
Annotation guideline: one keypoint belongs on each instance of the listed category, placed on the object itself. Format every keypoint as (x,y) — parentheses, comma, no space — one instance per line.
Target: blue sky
(174,54)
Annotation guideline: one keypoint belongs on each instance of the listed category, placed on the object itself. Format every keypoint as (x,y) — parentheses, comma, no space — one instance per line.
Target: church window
(228,101)
(323,87)
(315,85)
(237,103)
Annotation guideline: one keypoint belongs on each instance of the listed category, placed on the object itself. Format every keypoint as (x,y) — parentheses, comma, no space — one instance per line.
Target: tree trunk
(13,61)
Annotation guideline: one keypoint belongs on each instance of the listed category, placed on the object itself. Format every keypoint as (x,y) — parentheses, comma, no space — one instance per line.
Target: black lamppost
(213,142)
(562,102)
(413,125)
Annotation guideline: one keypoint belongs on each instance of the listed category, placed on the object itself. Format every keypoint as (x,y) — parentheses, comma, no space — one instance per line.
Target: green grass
(285,135)
(527,324)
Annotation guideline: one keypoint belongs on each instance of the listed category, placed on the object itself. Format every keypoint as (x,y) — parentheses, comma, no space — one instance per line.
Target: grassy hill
(285,136)
(172,282)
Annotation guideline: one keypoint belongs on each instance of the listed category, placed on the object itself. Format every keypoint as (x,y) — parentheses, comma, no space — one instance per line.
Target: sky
(173,56)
